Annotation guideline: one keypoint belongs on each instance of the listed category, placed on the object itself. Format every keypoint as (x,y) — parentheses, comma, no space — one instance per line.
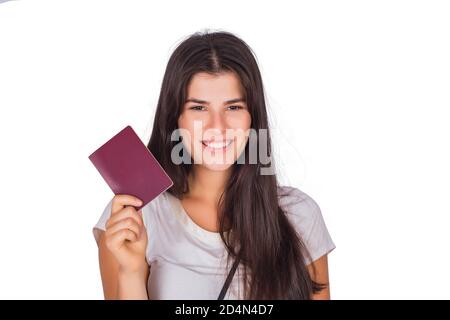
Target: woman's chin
(216,166)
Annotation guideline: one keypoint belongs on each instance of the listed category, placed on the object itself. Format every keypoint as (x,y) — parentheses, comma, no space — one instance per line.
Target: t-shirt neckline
(192,227)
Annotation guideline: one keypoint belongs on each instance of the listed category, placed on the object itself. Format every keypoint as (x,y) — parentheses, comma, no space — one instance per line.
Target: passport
(128,167)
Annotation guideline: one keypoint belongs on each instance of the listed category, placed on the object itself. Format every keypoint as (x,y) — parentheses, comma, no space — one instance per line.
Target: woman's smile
(216,146)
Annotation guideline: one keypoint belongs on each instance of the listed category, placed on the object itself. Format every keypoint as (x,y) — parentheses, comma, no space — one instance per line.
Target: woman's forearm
(132,286)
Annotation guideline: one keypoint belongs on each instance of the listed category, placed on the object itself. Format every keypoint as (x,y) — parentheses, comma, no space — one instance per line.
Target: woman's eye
(200,108)
(196,108)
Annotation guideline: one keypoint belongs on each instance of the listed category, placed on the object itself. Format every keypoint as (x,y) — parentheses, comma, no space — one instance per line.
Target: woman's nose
(217,121)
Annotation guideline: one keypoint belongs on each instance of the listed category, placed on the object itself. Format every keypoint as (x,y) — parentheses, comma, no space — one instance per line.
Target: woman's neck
(207,184)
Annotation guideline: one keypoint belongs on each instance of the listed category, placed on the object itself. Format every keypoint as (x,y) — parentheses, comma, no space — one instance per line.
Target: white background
(358,95)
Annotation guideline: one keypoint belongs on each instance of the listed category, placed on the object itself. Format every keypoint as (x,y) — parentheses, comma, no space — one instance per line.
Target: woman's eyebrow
(207,102)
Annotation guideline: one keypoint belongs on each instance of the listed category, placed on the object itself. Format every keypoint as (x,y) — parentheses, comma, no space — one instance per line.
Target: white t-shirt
(189,262)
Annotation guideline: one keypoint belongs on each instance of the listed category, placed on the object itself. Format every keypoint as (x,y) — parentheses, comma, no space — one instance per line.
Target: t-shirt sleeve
(306,217)
(101,224)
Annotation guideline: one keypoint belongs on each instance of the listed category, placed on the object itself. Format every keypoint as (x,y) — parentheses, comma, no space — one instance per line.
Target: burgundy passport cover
(129,167)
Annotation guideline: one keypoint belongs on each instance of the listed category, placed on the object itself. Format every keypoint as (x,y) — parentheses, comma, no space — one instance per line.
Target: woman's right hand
(126,235)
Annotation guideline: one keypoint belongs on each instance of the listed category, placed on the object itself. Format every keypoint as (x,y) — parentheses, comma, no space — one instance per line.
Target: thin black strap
(229,278)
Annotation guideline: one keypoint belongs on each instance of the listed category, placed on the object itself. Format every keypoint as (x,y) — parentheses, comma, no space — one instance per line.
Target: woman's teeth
(217,144)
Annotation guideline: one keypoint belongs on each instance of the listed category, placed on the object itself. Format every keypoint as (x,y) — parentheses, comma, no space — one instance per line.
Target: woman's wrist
(132,285)
(141,269)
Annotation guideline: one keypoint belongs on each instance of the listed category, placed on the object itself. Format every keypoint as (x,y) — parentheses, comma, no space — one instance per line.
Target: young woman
(220,209)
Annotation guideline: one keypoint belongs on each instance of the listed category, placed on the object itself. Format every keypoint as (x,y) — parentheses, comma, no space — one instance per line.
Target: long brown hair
(269,247)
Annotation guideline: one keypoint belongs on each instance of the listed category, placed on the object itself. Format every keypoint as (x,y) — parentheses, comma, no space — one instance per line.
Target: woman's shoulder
(158,204)
(295,201)
(306,217)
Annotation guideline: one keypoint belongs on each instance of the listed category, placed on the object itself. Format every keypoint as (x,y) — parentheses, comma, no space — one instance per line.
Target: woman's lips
(217,145)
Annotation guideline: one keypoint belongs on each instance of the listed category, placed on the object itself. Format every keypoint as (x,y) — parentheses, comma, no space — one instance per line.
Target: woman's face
(215,120)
